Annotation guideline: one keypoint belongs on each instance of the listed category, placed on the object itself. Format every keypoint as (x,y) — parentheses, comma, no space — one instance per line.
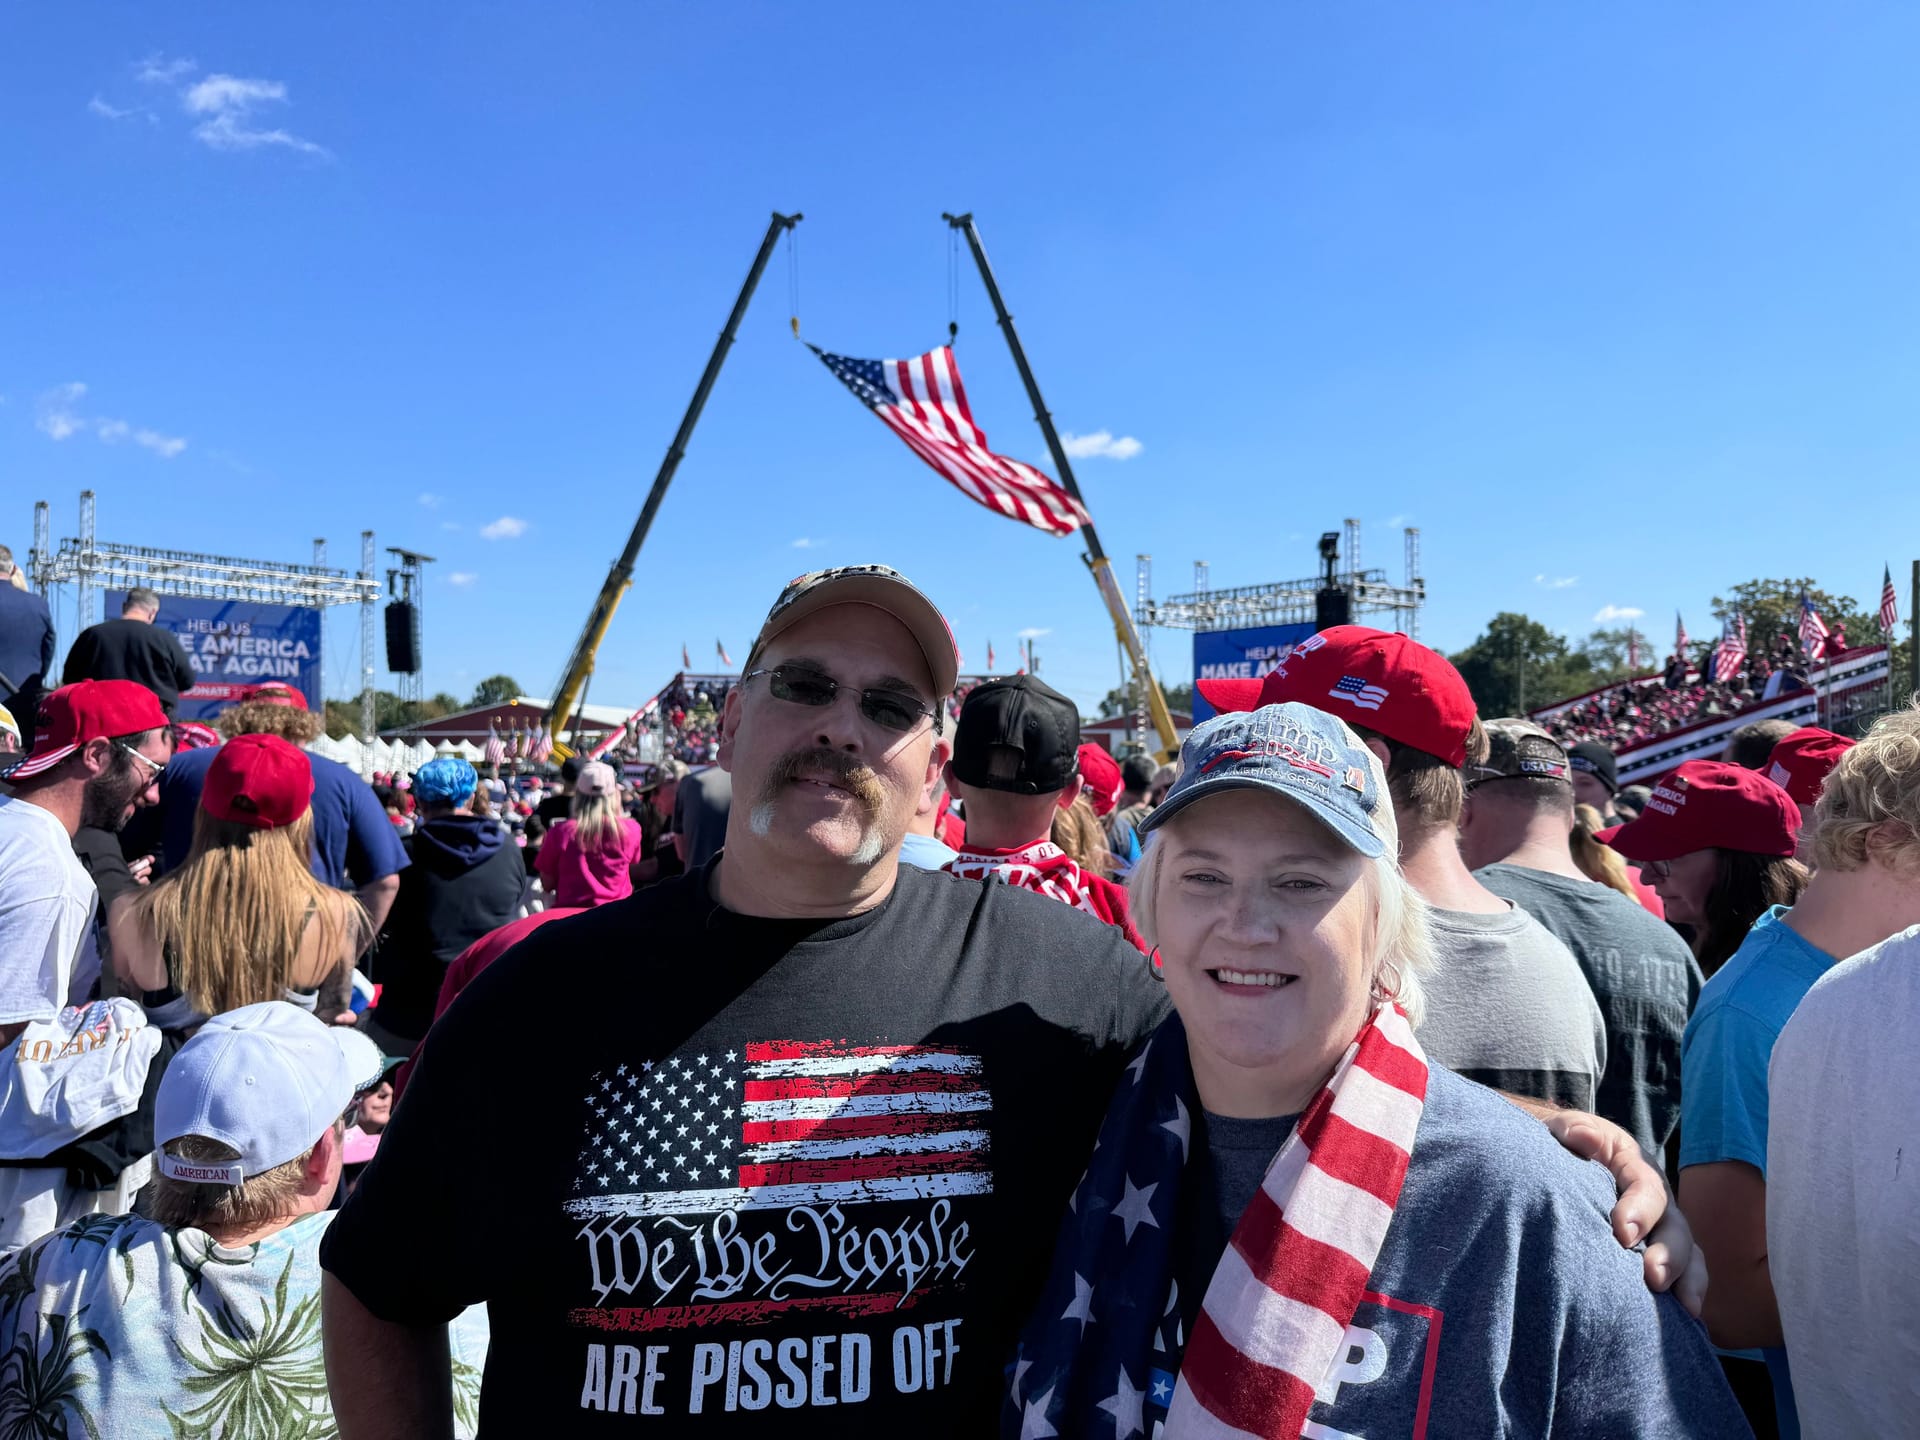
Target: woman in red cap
(243,919)
(1716,842)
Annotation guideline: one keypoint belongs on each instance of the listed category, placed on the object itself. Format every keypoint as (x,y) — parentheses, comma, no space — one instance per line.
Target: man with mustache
(803,1142)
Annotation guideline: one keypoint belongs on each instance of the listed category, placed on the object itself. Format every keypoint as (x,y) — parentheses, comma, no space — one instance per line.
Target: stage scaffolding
(94,566)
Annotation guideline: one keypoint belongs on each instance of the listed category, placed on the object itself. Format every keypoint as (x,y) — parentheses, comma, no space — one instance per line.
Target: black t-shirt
(554,808)
(752,1167)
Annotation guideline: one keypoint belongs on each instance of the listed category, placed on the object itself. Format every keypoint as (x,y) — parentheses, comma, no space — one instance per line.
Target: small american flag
(785,1123)
(1680,640)
(1813,630)
(542,744)
(496,747)
(923,402)
(1889,602)
(725,659)
(1732,652)
(686,660)
(989,657)
(1365,696)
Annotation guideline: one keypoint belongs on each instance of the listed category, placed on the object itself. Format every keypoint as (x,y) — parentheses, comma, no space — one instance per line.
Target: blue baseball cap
(445,779)
(267,1079)
(1292,750)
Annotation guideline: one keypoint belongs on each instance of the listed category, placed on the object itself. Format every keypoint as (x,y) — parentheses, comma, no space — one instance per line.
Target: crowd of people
(1370,1069)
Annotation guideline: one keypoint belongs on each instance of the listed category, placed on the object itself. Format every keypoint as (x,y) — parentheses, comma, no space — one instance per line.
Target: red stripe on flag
(760,1052)
(887,1082)
(1357,1157)
(1391,1065)
(1239,1390)
(857,1167)
(1292,1264)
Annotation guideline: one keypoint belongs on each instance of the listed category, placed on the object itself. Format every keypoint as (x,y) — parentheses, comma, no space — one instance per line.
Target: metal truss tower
(369,600)
(1290,602)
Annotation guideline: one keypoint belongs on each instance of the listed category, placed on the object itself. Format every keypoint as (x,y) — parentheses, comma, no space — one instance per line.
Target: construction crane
(573,680)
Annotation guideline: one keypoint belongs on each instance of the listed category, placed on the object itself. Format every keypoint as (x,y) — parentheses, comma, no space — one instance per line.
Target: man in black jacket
(26,648)
(133,648)
(466,879)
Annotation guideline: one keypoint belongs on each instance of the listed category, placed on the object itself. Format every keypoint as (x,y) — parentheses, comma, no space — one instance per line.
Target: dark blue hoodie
(466,879)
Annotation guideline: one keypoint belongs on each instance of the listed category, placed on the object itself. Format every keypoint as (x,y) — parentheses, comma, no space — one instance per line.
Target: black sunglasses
(889,709)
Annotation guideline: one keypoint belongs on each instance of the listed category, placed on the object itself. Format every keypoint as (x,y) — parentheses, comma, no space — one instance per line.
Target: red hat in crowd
(278,692)
(1707,804)
(1102,775)
(88,710)
(1388,683)
(258,780)
(1801,762)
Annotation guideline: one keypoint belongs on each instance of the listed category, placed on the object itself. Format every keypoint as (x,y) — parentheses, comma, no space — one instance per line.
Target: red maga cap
(88,710)
(1801,762)
(278,692)
(258,780)
(1706,804)
(1386,682)
(1102,774)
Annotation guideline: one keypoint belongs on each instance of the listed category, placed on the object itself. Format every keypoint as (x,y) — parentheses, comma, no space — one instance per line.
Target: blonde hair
(1430,790)
(1601,863)
(230,920)
(254,1201)
(263,717)
(1077,830)
(1405,955)
(596,821)
(1869,807)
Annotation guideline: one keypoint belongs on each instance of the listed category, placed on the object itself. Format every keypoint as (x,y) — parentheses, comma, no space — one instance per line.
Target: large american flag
(923,402)
(781,1123)
(1889,602)
(496,751)
(1813,630)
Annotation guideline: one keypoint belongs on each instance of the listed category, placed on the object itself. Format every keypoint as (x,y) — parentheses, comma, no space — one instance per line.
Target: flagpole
(1096,557)
(580,663)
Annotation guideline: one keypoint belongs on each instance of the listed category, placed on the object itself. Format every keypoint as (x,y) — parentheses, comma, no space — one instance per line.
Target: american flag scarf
(1274,1318)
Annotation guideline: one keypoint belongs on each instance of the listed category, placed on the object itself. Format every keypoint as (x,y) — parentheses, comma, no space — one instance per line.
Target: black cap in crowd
(1024,714)
(1597,760)
(1517,749)
(570,768)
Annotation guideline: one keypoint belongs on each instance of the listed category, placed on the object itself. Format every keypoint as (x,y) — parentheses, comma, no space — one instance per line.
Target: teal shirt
(1723,1067)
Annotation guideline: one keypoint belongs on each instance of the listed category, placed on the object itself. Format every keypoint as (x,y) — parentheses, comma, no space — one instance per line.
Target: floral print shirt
(119,1327)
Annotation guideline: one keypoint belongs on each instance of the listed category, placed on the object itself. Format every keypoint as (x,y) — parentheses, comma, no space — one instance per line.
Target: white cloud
(156,69)
(97,106)
(1399,522)
(228,102)
(804,543)
(59,418)
(462,578)
(430,500)
(507,527)
(1557,582)
(1034,632)
(1100,444)
(1608,613)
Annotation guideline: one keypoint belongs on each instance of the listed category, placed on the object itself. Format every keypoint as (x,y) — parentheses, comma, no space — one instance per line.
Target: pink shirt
(579,878)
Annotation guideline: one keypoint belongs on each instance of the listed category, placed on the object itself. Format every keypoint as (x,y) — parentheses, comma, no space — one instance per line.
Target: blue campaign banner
(237,644)
(1240,655)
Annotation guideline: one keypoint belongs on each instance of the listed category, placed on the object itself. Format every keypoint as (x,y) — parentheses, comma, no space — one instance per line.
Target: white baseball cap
(267,1079)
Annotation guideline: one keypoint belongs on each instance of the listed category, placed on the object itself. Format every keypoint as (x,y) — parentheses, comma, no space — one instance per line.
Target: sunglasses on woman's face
(892,710)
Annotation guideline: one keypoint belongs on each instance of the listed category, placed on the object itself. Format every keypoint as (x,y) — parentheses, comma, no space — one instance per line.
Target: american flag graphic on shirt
(784,1122)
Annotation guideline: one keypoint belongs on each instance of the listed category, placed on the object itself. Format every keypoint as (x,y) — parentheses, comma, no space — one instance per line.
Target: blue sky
(1616,303)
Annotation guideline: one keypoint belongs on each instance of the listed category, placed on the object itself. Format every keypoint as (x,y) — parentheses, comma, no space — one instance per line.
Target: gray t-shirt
(700,809)
(1644,978)
(1509,1007)
(1843,1194)
(1500,1303)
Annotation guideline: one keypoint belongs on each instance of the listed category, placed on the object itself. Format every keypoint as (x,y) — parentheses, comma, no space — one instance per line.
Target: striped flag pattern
(923,401)
(686,660)
(1275,1314)
(1813,630)
(496,747)
(721,651)
(1889,602)
(1731,653)
(786,1122)
(1680,640)
(542,744)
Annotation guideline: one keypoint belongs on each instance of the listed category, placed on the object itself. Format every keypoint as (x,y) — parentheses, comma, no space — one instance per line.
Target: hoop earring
(1380,992)
(1156,966)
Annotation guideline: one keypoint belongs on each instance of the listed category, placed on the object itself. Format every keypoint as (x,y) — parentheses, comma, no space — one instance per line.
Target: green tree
(390,712)
(1772,607)
(1119,700)
(1519,664)
(495,690)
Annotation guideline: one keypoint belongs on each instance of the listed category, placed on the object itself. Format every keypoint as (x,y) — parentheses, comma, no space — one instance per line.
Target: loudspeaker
(1331,606)
(403,638)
